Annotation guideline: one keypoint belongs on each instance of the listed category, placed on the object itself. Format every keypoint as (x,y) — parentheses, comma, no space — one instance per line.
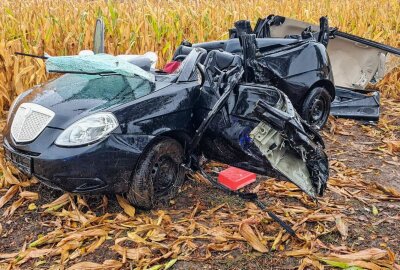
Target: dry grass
(61,27)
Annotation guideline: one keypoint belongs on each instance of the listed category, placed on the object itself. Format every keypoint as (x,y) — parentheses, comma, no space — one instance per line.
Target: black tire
(316,107)
(158,175)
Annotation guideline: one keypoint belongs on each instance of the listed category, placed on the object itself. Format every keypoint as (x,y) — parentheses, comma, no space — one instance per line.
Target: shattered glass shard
(96,64)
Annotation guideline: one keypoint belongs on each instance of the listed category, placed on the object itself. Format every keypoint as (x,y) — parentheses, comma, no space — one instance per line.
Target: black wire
(250,196)
(32,55)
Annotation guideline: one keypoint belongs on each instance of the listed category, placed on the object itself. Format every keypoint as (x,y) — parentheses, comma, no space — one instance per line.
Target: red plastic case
(235,178)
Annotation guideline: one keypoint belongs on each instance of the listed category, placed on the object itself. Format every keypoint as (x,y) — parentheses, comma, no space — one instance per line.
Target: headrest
(221,60)
(138,60)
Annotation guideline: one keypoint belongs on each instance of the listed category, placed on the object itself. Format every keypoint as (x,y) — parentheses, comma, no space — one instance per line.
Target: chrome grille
(29,121)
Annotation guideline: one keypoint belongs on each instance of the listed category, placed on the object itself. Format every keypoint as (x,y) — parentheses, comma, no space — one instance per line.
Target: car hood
(73,96)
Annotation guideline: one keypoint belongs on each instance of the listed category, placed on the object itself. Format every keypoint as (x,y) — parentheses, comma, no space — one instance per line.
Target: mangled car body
(300,68)
(115,124)
(314,66)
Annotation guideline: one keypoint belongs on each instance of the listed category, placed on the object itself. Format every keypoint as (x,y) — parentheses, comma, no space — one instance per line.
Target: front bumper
(105,166)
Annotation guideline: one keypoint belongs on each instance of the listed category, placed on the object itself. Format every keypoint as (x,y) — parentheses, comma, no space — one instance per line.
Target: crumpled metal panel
(356,105)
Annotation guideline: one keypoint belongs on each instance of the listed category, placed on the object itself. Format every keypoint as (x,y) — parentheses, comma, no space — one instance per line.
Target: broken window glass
(96,64)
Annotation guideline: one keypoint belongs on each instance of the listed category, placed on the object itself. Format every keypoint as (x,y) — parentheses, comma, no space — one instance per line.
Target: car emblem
(29,121)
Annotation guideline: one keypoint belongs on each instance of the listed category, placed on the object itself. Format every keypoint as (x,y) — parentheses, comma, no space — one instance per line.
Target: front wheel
(316,107)
(158,175)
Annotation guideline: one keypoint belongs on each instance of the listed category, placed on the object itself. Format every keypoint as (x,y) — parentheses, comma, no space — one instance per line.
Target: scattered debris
(235,178)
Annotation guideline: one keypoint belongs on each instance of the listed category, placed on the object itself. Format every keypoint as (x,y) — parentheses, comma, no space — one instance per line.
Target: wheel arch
(327,84)
(180,136)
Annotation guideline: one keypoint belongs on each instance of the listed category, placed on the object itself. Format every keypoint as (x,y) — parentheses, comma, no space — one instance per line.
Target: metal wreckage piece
(281,138)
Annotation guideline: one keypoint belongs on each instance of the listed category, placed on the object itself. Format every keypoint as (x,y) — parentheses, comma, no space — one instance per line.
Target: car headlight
(88,129)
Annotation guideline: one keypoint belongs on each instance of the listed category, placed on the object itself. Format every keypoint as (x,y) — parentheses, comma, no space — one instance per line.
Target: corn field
(61,27)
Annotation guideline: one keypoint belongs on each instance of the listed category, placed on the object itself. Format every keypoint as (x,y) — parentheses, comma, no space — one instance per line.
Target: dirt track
(358,212)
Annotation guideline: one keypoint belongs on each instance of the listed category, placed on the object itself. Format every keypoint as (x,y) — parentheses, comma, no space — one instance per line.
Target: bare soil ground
(354,224)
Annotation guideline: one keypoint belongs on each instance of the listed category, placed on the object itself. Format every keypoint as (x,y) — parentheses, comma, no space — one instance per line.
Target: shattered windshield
(100,91)
(101,87)
(96,64)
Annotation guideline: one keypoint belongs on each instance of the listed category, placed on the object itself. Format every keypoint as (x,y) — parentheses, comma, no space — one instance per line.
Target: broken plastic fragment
(271,144)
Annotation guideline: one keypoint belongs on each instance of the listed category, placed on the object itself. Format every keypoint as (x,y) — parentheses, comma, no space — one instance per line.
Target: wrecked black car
(300,68)
(114,124)
(321,69)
